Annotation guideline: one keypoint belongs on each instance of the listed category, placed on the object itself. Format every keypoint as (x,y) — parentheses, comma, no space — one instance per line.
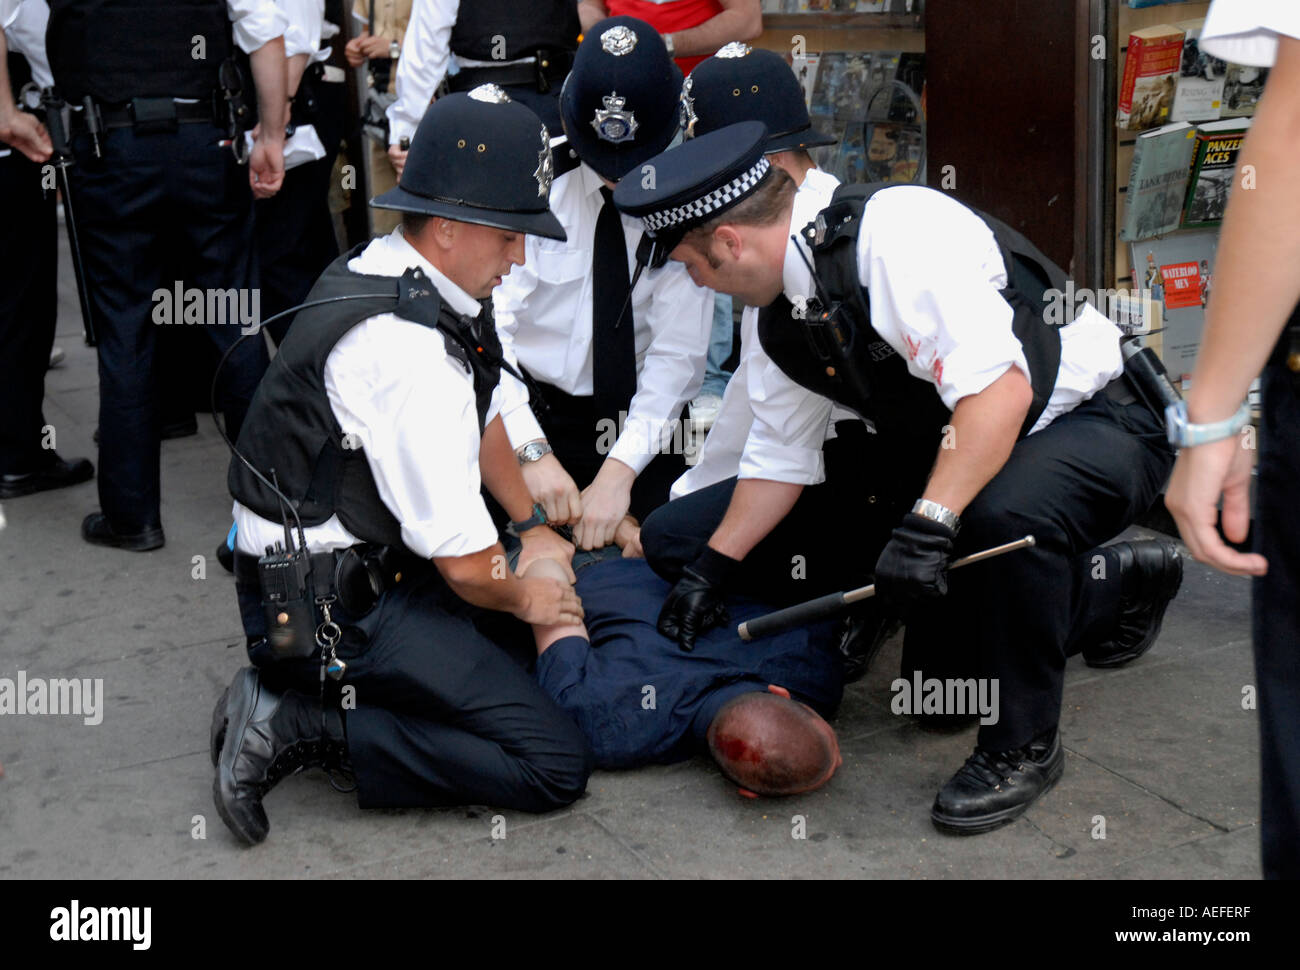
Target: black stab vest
(291,427)
(116,50)
(550,24)
(867,375)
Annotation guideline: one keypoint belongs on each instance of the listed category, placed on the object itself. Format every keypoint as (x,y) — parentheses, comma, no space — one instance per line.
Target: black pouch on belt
(364,573)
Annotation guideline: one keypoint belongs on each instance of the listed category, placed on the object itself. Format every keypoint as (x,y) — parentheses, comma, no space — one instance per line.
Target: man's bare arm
(739,20)
(985,427)
(591,12)
(757,506)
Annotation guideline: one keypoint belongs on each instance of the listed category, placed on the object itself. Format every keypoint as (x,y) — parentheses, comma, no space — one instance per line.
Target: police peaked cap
(740,83)
(479,157)
(619,102)
(696,182)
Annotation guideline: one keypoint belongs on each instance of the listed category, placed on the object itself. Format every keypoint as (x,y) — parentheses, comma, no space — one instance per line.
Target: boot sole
(241,710)
(979,824)
(1173,583)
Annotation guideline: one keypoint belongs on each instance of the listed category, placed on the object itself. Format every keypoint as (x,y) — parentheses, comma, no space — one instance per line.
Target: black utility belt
(550,68)
(149,116)
(355,577)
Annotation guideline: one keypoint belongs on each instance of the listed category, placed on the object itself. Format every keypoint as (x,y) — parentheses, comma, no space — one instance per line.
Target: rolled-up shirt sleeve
(934,270)
(680,318)
(255,22)
(426,55)
(507,299)
(304,30)
(412,409)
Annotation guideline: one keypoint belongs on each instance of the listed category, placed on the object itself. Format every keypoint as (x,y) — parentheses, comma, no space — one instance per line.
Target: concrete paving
(1162,755)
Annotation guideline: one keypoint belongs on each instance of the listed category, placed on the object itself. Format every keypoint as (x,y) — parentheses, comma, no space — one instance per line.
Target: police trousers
(1073,485)
(437,714)
(1276,622)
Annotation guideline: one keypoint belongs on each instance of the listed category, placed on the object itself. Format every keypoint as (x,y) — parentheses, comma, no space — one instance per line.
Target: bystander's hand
(363,47)
(266,164)
(398,157)
(25,133)
(1201,475)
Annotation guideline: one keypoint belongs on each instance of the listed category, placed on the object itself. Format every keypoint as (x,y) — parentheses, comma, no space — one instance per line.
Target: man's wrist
(935,512)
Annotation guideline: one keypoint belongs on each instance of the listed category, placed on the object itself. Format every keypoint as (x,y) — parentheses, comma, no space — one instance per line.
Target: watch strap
(1185,434)
(534,451)
(533,521)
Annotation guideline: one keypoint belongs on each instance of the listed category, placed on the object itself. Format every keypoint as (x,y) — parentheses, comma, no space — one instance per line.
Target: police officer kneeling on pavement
(930,320)
(368,436)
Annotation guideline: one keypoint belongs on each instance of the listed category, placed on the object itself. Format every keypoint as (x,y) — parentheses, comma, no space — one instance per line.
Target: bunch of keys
(328,635)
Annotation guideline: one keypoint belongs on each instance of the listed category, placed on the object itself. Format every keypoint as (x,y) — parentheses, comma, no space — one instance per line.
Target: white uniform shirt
(24,23)
(411,407)
(255,22)
(426,59)
(768,426)
(1246,31)
(306,28)
(544,314)
(933,270)
(426,56)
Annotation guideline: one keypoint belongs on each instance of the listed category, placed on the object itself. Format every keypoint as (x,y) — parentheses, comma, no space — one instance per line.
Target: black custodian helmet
(479,157)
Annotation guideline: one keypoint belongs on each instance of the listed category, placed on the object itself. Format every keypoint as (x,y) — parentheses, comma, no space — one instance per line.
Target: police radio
(829,335)
(288,600)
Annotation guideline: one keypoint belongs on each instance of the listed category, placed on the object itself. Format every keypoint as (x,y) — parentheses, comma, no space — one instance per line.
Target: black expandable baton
(832,603)
(57,115)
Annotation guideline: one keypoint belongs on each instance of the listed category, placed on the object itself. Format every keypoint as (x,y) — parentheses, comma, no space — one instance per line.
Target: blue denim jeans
(715,378)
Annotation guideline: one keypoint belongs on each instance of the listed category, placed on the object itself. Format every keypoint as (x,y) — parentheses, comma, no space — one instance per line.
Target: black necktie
(613,347)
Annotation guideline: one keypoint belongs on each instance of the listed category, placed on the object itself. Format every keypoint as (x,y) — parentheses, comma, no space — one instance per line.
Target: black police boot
(861,635)
(268,736)
(96,529)
(1151,570)
(217,732)
(994,787)
(57,474)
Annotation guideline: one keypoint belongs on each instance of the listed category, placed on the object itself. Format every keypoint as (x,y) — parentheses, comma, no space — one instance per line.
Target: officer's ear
(443,232)
(729,238)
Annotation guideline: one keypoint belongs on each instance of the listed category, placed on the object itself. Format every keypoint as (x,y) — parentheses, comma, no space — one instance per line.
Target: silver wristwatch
(939,513)
(668,42)
(1185,434)
(533,451)
(394,50)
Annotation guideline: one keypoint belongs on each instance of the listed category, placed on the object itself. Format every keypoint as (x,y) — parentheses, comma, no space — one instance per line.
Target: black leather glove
(695,603)
(913,566)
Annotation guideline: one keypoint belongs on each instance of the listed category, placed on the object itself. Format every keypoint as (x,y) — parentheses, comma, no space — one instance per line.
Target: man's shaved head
(770,745)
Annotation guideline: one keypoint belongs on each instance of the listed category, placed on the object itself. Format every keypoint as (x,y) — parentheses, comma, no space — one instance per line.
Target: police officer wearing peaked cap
(995,422)
(381,417)
(617,351)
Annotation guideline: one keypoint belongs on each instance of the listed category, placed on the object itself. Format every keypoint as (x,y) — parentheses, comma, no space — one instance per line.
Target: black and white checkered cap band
(701,208)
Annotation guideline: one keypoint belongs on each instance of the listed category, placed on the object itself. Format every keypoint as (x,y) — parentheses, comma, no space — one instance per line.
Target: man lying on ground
(756,707)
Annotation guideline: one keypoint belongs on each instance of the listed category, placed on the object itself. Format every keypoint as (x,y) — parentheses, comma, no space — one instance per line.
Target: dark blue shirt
(639,698)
